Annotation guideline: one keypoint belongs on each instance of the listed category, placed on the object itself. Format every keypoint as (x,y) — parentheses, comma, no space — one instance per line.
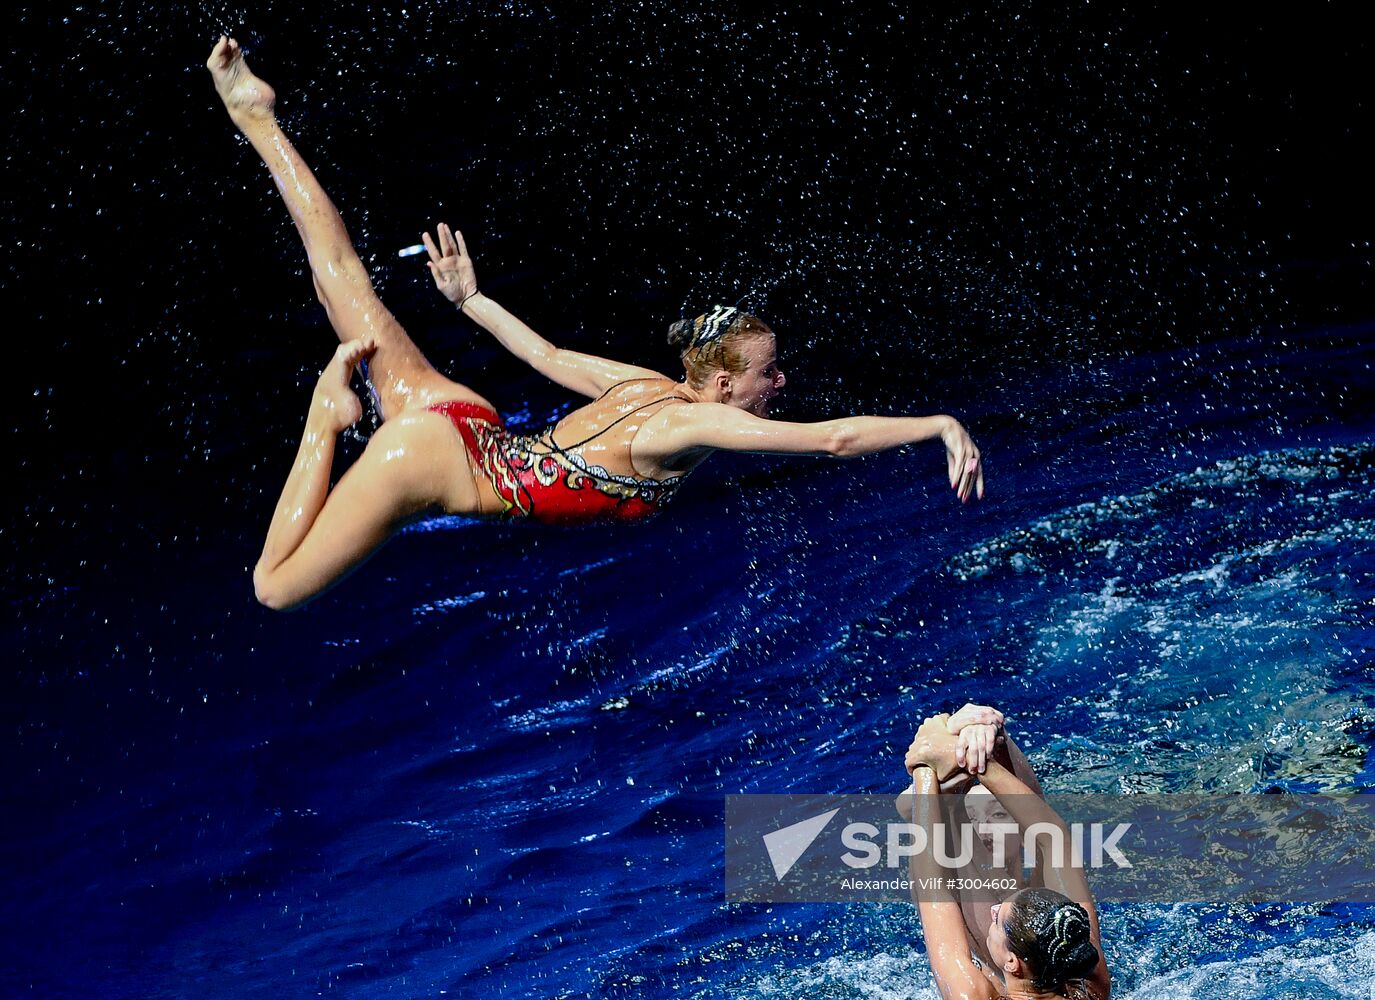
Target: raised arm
(1026,807)
(942,921)
(456,279)
(687,430)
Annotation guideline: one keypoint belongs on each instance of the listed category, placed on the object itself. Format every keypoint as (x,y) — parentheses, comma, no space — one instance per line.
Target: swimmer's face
(996,940)
(752,389)
(987,814)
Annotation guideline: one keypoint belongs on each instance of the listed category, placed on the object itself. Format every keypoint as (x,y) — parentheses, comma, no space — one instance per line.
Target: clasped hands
(956,746)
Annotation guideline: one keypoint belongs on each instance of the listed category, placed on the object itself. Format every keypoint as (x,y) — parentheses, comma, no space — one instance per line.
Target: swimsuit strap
(617,385)
(556,447)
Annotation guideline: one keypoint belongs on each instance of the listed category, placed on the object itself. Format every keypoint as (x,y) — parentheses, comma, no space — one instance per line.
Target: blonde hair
(716,351)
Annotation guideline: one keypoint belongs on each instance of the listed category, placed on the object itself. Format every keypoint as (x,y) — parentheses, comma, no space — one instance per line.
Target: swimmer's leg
(318,536)
(401,375)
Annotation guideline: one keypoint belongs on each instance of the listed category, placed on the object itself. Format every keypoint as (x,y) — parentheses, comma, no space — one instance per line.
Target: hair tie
(714,325)
(1068,927)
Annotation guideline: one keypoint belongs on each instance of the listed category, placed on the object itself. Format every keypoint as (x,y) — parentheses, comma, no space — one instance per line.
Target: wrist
(320,427)
(924,779)
(468,300)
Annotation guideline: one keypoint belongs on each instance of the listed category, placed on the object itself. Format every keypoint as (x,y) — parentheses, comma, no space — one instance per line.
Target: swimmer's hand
(450,265)
(934,747)
(971,714)
(977,728)
(963,461)
(974,747)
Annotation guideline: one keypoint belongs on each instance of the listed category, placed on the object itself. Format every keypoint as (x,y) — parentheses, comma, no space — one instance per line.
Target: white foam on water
(1315,967)
(1312,970)
(886,976)
(1114,529)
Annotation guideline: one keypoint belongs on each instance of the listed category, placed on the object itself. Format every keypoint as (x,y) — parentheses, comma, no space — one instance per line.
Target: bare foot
(243,94)
(334,402)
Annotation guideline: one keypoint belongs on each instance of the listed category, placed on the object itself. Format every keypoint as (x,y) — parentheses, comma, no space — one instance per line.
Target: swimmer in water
(1043,939)
(980,737)
(443,447)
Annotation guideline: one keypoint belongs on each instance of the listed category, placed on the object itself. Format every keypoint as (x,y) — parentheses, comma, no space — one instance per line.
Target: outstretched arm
(705,426)
(453,273)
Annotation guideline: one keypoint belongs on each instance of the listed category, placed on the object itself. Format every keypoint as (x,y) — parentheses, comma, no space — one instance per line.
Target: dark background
(926,204)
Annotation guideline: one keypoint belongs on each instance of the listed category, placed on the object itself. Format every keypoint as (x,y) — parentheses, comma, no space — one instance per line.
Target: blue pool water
(493,762)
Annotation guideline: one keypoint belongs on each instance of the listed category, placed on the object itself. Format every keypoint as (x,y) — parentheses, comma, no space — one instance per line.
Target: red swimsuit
(536,478)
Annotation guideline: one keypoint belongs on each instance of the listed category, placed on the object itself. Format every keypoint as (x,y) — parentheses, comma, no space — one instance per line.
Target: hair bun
(1081,960)
(680,333)
(1066,949)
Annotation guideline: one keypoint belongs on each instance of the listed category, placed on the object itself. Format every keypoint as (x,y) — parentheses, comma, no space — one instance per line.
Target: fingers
(446,241)
(979,737)
(451,242)
(964,464)
(430,248)
(985,714)
(970,473)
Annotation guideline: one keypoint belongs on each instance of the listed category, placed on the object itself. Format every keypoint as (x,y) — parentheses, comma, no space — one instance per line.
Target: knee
(268,589)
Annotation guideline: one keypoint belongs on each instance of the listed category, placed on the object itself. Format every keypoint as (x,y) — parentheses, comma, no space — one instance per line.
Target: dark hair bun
(1052,934)
(1082,960)
(1068,951)
(680,333)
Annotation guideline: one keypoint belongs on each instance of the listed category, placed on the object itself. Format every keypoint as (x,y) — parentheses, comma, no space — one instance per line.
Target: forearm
(1023,803)
(306,489)
(948,942)
(854,436)
(1015,761)
(926,871)
(510,332)
(1056,870)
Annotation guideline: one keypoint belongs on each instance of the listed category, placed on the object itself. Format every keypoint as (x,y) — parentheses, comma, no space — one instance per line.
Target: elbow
(843,441)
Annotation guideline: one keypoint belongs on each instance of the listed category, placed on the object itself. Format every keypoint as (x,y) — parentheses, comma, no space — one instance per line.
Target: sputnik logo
(787,845)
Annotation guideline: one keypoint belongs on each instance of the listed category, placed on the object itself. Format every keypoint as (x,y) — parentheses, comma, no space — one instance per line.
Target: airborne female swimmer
(442,446)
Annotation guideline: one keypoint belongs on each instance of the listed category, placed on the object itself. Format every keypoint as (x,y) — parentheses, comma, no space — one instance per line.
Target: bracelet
(465,300)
